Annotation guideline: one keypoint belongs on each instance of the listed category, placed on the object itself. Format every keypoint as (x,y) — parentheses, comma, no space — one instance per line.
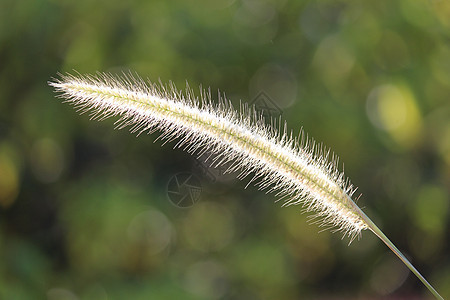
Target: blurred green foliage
(84,210)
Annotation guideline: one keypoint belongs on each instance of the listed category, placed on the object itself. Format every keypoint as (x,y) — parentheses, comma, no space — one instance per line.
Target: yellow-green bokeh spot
(393,108)
(333,61)
(9,174)
(430,209)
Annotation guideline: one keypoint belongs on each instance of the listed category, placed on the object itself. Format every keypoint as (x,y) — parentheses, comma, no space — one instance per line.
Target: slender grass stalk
(296,168)
(374,228)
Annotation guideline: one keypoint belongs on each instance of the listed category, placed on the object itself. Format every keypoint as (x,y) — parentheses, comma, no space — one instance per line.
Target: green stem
(374,228)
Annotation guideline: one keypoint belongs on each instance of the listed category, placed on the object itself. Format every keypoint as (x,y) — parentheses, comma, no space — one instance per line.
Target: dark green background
(84,212)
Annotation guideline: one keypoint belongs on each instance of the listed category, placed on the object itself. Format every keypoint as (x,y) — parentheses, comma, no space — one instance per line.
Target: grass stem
(377,231)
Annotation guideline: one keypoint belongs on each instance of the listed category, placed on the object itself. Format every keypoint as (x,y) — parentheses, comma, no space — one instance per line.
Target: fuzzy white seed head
(296,168)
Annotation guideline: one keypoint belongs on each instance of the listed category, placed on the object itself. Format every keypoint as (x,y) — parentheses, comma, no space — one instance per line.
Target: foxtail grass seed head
(300,171)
